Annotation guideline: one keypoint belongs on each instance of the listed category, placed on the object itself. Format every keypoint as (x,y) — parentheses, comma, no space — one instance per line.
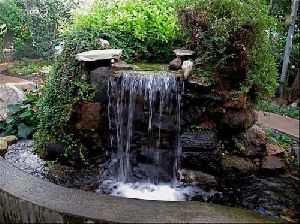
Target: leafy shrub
(66,87)
(289,111)
(22,120)
(28,67)
(144,29)
(34,24)
(232,42)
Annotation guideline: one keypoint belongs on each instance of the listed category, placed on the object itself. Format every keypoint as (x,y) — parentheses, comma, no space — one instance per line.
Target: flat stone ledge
(98,55)
(25,198)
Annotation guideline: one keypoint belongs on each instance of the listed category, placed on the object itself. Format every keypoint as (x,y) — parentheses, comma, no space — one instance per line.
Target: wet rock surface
(199,141)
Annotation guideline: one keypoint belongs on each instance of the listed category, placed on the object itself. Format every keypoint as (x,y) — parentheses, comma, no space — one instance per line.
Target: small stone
(9,139)
(272,165)
(273,150)
(187,67)
(197,178)
(175,64)
(3,147)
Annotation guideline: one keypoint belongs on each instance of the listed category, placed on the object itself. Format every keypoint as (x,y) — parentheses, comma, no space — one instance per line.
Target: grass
(144,66)
(29,67)
(289,111)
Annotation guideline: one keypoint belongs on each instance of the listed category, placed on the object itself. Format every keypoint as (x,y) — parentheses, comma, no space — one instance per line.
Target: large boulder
(99,79)
(9,94)
(238,120)
(89,116)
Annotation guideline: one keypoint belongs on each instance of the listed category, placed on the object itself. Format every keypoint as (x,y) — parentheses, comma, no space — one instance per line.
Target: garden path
(280,123)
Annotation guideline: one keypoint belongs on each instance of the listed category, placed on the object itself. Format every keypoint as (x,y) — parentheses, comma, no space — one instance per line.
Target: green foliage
(231,40)
(144,29)
(29,67)
(278,138)
(289,111)
(22,118)
(66,87)
(34,24)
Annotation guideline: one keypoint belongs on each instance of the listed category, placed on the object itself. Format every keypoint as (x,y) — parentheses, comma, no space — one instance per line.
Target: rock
(53,150)
(104,43)
(9,139)
(187,67)
(3,147)
(98,55)
(181,52)
(273,150)
(99,80)
(24,86)
(200,151)
(122,65)
(197,178)
(89,116)
(238,120)
(208,161)
(272,165)
(235,165)
(175,64)
(238,102)
(9,94)
(256,135)
(199,141)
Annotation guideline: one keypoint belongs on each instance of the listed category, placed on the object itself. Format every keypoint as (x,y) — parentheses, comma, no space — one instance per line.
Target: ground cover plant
(289,111)
(28,67)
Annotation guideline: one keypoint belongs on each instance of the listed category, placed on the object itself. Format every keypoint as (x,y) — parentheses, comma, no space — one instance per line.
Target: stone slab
(181,52)
(25,198)
(97,55)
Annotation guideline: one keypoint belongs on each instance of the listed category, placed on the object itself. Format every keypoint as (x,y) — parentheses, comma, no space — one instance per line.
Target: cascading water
(144,119)
(148,104)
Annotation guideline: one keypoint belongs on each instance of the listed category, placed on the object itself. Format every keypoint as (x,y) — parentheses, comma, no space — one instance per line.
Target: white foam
(148,191)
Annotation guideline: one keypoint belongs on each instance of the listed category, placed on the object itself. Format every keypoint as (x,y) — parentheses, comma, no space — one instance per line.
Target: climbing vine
(66,87)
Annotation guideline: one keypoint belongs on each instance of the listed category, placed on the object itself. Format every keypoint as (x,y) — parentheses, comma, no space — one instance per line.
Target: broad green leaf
(25,114)
(13,108)
(24,130)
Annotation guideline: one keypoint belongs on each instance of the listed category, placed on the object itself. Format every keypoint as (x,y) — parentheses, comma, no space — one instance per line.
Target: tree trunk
(288,47)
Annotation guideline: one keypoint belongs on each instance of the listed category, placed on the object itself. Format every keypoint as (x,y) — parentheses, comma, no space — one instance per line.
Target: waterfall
(144,119)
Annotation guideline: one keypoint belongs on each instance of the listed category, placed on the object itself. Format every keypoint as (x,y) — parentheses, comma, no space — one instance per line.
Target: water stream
(144,118)
(147,104)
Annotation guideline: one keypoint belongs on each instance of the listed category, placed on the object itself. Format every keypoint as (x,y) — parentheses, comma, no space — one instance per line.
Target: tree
(288,46)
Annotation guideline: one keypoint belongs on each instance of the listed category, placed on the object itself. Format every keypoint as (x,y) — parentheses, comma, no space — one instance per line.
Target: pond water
(275,196)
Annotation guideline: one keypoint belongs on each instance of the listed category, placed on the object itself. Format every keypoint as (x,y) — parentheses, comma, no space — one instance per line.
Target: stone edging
(25,198)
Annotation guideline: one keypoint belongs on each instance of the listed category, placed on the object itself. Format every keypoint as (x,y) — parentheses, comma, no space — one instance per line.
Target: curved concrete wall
(25,198)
